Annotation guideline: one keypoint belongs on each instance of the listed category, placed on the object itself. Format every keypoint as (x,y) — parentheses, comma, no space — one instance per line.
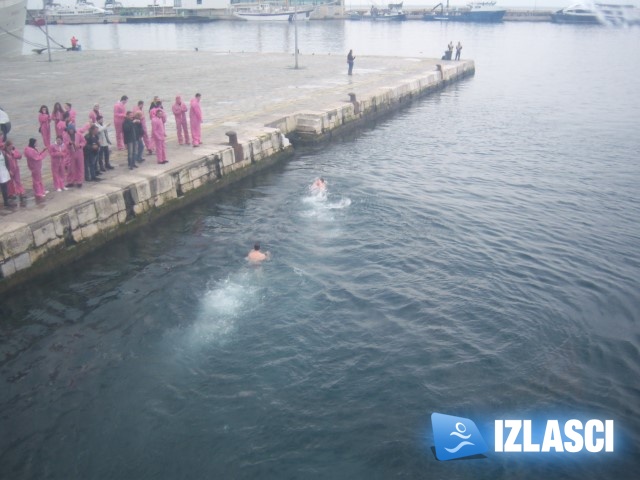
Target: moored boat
(269,12)
(598,14)
(393,13)
(12,18)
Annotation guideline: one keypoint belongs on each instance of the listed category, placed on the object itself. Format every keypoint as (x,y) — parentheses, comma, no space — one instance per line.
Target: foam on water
(223,304)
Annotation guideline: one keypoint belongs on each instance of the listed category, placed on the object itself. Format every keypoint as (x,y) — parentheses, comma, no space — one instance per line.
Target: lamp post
(46,26)
(295,29)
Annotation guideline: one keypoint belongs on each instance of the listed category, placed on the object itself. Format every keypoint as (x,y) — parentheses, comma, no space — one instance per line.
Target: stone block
(164,183)
(22,261)
(8,268)
(105,207)
(43,232)
(86,213)
(18,241)
(89,231)
(141,192)
(60,222)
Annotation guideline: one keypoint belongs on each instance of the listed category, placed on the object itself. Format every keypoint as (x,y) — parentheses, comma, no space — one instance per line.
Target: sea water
(476,254)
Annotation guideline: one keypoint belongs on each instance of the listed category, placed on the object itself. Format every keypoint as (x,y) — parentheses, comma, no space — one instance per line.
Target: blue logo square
(456,437)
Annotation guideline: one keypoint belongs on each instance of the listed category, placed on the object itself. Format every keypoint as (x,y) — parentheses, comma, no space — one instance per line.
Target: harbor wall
(31,249)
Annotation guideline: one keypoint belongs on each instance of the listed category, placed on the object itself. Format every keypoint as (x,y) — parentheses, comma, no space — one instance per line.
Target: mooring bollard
(233,137)
(237,148)
(356,105)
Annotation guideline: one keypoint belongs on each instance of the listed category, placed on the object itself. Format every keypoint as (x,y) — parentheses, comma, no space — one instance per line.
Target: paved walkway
(240,92)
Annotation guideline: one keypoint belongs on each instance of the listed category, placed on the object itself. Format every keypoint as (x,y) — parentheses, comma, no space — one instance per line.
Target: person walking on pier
(15,188)
(180,113)
(350,60)
(58,152)
(458,50)
(44,119)
(158,134)
(119,114)
(75,144)
(58,119)
(34,162)
(195,117)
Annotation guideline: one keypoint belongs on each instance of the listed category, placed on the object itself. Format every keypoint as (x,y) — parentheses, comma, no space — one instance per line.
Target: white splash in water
(223,305)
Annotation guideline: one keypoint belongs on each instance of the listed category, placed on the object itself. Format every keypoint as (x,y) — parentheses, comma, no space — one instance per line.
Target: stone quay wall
(31,249)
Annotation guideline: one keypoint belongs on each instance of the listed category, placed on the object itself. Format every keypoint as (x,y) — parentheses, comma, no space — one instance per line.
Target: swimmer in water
(319,185)
(256,256)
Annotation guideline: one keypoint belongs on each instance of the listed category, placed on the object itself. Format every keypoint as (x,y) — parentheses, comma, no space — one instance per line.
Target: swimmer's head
(256,246)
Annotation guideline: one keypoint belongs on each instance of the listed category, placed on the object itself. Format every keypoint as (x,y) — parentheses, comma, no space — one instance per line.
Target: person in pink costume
(58,152)
(12,155)
(34,162)
(94,114)
(61,126)
(58,112)
(180,112)
(157,132)
(71,112)
(75,143)
(195,117)
(119,113)
(148,141)
(45,125)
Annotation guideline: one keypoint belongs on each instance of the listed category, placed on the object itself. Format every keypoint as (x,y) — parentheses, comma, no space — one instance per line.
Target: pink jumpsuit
(195,117)
(119,113)
(75,155)
(15,185)
(93,116)
(60,128)
(34,162)
(58,158)
(45,128)
(157,132)
(180,112)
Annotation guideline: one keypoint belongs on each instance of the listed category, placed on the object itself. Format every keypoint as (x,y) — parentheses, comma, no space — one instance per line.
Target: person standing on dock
(158,134)
(58,153)
(94,114)
(44,119)
(129,137)
(119,114)
(103,137)
(195,117)
(70,112)
(146,138)
(12,155)
(350,60)
(180,112)
(34,162)
(75,144)
(458,50)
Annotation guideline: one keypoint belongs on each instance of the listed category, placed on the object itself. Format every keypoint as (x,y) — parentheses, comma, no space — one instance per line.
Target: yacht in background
(12,18)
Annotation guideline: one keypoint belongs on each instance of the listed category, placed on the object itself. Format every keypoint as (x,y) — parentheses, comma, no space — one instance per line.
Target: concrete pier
(260,100)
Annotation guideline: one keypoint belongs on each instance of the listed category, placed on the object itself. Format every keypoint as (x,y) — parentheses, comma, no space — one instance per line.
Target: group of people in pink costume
(81,154)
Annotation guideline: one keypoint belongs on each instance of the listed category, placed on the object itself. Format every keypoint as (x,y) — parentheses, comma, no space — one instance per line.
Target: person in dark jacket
(91,150)
(129,133)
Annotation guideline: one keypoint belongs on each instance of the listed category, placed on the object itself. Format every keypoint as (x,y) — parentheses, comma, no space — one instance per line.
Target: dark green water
(476,255)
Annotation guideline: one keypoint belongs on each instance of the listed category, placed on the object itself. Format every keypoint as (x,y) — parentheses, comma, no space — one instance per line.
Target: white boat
(12,17)
(598,14)
(269,12)
(80,9)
